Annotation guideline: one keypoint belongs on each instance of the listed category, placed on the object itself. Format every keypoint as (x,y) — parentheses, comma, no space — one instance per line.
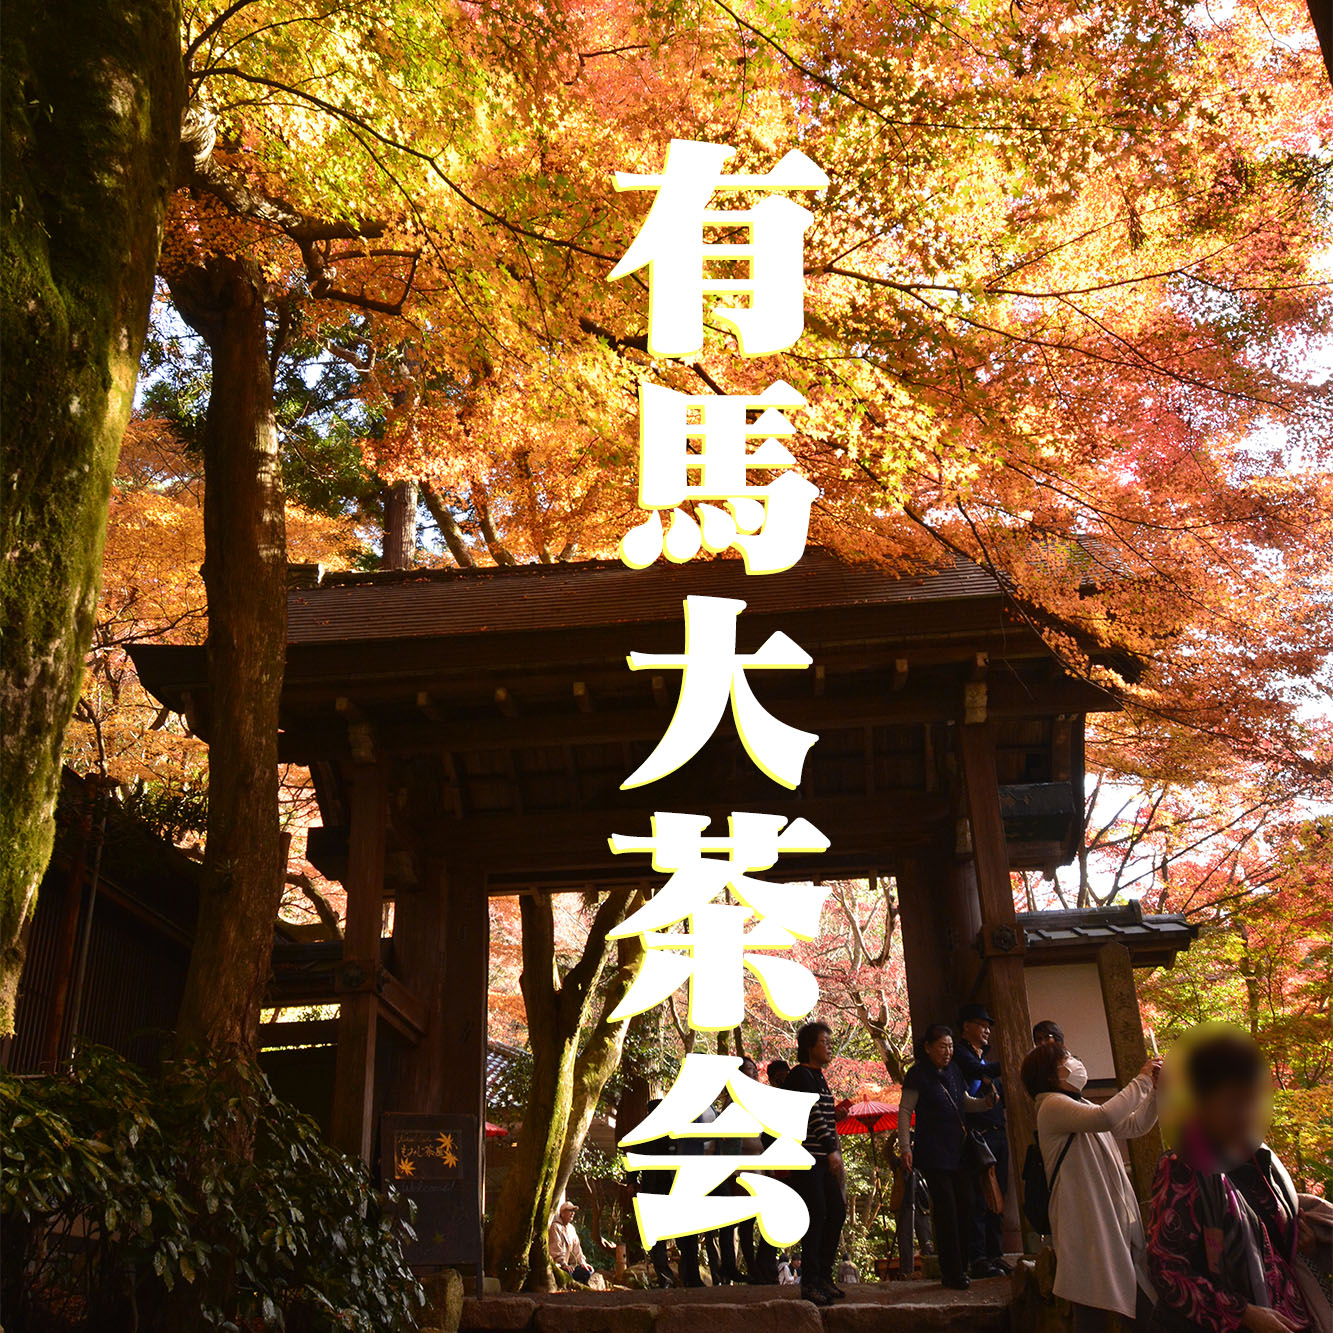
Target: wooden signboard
(435,1160)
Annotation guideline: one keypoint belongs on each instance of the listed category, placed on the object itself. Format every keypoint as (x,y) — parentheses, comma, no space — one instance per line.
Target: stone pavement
(898,1307)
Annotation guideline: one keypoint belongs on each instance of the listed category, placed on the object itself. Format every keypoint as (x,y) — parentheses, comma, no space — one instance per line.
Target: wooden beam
(453,789)
(1005,698)
(353,1121)
(1061,749)
(926,942)
(462,1038)
(398,1006)
(976,703)
(567,840)
(303,1032)
(1001,936)
(51,1053)
(1124,1025)
(360,733)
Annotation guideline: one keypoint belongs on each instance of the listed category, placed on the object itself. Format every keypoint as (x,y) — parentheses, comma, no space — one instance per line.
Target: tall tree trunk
(400,525)
(557,1013)
(600,1056)
(92,97)
(245,564)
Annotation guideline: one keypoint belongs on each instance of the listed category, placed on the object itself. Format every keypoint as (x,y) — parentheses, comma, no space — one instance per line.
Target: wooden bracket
(975,702)
(394,1003)
(1001,940)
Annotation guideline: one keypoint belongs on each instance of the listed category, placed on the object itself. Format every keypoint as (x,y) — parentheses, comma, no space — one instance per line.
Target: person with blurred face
(1096,1228)
(935,1093)
(1210,1253)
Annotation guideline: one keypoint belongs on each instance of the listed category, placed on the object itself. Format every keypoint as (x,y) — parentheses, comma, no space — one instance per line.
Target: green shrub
(193,1199)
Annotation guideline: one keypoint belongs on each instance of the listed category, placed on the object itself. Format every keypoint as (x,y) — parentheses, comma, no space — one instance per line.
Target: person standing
(1096,1229)
(688,1246)
(985,1247)
(910,1202)
(1211,1256)
(933,1090)
(741,1234)
(824,1185)
(657,1182)
(1047,1030)
(765,1271)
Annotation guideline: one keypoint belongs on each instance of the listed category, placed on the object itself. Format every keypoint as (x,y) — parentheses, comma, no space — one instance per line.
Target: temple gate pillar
(925,885)
(353,1120)
(1129,1050)
(1002,941)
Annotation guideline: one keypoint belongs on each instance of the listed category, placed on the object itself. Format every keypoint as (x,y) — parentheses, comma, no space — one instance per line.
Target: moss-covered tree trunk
(92,97)
(600,1056)
(245,571)
(557,1012)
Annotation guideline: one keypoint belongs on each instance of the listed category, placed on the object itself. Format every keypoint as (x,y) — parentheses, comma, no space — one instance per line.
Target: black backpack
(1036,1188)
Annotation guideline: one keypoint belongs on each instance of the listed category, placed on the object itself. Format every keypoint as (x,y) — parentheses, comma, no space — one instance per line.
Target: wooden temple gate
(468,732)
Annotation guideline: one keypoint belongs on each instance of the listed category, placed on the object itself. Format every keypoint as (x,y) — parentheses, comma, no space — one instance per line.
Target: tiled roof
(1084,931)
(505,1075)
(446,603)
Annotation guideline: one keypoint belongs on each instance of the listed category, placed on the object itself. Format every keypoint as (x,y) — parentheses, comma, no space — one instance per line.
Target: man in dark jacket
(689,1245)
(657,1182)
(971,1055)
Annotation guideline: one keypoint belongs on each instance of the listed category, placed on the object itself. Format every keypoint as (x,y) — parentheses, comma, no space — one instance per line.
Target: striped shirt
(822,1131)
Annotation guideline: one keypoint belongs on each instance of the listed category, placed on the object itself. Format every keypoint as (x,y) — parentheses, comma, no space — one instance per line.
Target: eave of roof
(588,594)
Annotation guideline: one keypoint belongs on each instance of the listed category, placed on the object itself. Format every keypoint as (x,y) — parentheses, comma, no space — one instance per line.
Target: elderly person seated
(564,1246)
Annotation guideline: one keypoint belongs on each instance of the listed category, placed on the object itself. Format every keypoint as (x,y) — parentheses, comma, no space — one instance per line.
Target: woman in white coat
(1096,1228)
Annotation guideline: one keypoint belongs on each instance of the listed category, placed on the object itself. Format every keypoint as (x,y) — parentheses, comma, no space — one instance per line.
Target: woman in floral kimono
(1210,1254)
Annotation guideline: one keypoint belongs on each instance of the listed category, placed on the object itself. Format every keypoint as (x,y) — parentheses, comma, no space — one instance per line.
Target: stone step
(871,1309)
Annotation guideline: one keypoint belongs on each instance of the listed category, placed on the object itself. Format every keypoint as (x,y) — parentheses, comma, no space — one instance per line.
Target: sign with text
(434,1160)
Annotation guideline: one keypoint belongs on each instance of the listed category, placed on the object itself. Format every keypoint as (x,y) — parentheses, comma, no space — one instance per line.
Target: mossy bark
(557,1013)
(92,98)
(600,1056)
(245,568)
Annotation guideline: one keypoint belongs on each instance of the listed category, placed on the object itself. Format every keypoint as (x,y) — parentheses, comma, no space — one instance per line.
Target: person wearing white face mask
(1096,1229)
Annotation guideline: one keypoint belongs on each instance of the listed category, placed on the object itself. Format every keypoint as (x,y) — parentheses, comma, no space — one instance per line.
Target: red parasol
(496,1131)
(866,1117)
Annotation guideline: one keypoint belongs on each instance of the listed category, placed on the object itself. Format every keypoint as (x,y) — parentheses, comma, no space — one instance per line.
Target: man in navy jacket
(971,1055)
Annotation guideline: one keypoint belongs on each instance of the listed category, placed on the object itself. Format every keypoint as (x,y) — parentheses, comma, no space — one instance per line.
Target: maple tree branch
(833,86)
(1179,271)
(328,916)
(448,526)
(638,342)
(399,146)
(210,29)
(500,553)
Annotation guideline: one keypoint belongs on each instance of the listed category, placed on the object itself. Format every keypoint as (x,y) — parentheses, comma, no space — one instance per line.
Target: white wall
(1071,994)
